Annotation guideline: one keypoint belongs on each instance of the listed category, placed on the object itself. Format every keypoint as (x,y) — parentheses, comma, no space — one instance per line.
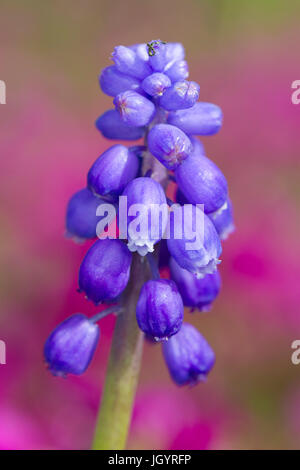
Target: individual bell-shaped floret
(70,347)
(147,215)
(156,84)
(202,182)
(113,170)
(105,270)
(111,126)
(195,293)
(113,82)
(130,62)
(169,145)
(178,70)
(81,218)
(159,310)
(181,95)
(200,119)
(223,220)
(134,109)
(193,241)
(188,356)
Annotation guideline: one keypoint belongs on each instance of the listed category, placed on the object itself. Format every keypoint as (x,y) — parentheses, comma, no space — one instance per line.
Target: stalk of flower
(153,99)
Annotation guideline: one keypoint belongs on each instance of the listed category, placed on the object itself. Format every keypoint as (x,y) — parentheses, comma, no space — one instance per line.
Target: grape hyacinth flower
(113,170)
(196,293)
(81,218)
(169,145)
(188,355)
(105,270)
(159,310)
(153,100)
(71,346)
(144,194)
(202,182)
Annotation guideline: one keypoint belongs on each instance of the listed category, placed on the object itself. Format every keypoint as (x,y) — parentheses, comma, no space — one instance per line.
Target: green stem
(123,369)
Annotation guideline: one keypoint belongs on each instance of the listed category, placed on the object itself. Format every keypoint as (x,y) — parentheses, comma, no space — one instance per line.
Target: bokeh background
(244,55)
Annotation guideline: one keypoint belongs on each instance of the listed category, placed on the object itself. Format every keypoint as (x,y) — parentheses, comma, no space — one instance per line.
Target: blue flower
(159,310)
(113,82)
(81,218)
(111,126)
(130,62)
(169,145)
(223,220)
(201,119)
(188,356)
(134,109)
(202,182)
(156,84)
(145,225)
(198,248)
(105,270)
(113,170)
(181,95)
(195,293)
(70,347)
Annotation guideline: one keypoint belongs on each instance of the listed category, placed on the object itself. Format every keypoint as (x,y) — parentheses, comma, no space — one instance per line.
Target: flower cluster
(152,99)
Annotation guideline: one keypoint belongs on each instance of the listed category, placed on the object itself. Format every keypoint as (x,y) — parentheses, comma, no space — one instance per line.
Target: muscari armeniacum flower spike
(195,293)
(130,62)
(181,95)
(134,109)
(188,356)
(105,270)
(113,170)
(81,218)
(111,126)
(156,84)
(70,347)
(223,220)
(202,182)
(200,253)
(169,145)
(200,119)
(113,82)
(159,310)
(144,225)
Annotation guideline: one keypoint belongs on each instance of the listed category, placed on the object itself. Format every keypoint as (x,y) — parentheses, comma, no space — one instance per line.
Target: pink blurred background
(243,54)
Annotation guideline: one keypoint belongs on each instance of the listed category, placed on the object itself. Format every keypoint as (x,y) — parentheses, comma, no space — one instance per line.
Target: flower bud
(202,182)
(200,253)
(113,170)
(130,62)
(174,52)
(198,147)
(105,270)
(181,95)
(113,82)
(70,347)
(141,51)
(145,198)
(112,126)
(159,310)
(201,119)
(188,356)
(195,293)
(81,219)
(156,84)
(223,221)
(134,109)
(179,70)
(169,145)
